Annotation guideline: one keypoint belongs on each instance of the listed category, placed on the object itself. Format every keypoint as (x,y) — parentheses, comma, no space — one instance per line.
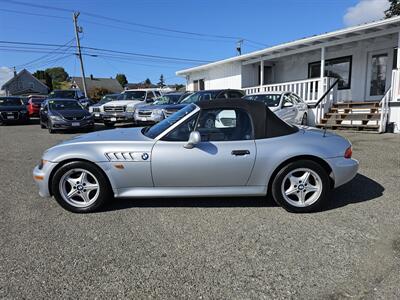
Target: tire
(296,193)
(304,120)
(50,128)
(109,124)
(68,178)
(42,126)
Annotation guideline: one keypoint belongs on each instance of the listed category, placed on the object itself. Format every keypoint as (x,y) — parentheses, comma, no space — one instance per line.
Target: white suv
(122,111)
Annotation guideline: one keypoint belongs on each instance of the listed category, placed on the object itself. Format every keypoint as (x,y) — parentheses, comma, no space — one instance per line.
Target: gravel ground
(200,248)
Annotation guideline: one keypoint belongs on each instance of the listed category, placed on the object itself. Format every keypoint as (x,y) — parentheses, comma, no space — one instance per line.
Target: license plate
(113,119)
(97,115)
(76,124)
(10,117)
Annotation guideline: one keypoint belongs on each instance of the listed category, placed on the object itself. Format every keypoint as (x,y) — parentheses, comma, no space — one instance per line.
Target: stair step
(349,126)
(353,117)
(356,104)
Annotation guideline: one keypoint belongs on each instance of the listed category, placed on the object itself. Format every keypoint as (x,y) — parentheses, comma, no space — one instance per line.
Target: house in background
(23,84)
(92,83)
(330,71)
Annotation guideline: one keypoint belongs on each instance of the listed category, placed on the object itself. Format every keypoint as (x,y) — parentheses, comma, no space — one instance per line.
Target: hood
(109,136)
(122,103)
(78,113)
(152,107)
(13,108)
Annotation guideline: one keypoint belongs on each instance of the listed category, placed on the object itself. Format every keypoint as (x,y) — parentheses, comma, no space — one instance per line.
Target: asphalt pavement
(229,248)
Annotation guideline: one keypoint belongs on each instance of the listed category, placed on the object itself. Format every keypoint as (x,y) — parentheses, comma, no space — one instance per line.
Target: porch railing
(310,90)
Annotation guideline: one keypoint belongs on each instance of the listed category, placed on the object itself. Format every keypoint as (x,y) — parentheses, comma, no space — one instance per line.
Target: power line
(110,51)
(32,14)
(135,23)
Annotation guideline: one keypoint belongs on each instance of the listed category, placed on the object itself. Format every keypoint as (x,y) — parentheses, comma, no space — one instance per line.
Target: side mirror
(287,104)
(194,139)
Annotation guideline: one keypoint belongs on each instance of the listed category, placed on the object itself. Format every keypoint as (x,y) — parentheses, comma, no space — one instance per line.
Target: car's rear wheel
(304,119)
(80,187)
(301,186)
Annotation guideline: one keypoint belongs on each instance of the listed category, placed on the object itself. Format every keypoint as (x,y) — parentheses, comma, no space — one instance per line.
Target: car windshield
(271,100)
(168,99)
(203,95)
(62,94)
(64,105)
(133,95)
(155,130)
(11,102)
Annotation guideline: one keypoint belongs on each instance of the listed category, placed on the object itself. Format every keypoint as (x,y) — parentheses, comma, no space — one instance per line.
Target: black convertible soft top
(266,123)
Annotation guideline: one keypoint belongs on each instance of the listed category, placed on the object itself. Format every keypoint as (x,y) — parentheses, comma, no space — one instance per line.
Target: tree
(121,78)
(57,74)
(99,92)
(161,83)
(44,77)
(394,9)
(147,82)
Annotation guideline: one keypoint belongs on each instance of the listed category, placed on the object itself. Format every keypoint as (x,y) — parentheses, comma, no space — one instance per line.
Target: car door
(224,157)
(300,106)
(288,110)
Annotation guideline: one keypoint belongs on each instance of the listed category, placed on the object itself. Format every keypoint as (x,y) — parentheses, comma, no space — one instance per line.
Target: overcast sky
(263,22)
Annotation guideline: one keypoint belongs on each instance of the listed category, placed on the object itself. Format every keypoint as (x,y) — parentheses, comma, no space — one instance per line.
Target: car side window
(235,94)
(287,101)
(224,125)
(222,95)
(182,132)
(150,95)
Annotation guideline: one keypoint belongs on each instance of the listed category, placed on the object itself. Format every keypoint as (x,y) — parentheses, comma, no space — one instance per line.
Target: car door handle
(240,152)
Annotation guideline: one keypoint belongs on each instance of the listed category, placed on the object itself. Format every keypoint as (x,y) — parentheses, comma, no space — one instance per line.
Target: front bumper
(118,117)
(97,116)
(72,124)
(343,169)
(148,119)
(42,176)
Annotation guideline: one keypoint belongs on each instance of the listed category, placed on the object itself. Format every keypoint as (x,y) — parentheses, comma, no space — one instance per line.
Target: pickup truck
(123,110)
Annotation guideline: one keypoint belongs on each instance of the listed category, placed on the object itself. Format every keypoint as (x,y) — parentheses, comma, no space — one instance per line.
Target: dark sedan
(62,114)
(13,110)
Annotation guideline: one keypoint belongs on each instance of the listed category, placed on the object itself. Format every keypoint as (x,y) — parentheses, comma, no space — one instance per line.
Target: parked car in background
(62,114)
(242,158)
(13,110)
(98,108)
(286,105)
(122,111)
(154,112)
(34,104)
(202,96)
(71,94)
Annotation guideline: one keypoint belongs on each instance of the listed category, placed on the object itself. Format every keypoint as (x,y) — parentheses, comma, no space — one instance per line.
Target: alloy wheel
(301,187)
(79,188)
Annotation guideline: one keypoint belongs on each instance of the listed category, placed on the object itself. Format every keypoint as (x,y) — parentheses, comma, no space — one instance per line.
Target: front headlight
(158,111)
(130,109)
(56,118)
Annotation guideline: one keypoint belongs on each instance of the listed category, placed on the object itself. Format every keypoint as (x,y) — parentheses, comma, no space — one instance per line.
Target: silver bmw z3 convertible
(212,148)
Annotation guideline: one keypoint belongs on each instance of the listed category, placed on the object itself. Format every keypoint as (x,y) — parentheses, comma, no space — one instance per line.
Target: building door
(378,75)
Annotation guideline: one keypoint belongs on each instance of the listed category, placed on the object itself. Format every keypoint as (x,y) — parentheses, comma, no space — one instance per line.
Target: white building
(363,58)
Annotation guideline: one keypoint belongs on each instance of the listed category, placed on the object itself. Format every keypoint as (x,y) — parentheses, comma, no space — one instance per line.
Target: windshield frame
(172,126)
(123,96)
(64,100)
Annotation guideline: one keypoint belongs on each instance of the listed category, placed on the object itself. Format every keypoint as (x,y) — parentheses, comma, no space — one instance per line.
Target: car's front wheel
(50,127)
(301,186)
(80,187)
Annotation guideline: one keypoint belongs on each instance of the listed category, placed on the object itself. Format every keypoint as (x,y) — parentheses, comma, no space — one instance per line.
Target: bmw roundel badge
(145,156)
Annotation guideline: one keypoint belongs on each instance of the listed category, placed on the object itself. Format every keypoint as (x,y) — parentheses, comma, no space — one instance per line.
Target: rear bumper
(20,119)
(41,178)
(343,169)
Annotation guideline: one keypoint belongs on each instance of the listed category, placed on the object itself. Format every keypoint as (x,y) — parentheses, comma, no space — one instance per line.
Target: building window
(198,85)
(338,68)
(378,74)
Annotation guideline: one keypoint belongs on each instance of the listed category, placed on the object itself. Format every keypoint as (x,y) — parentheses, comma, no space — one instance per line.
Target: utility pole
(78,30)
